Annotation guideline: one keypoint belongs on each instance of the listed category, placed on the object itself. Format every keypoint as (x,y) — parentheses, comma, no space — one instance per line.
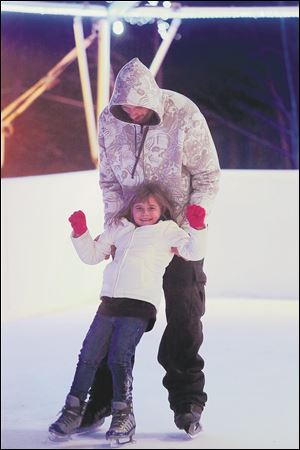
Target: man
(148,133)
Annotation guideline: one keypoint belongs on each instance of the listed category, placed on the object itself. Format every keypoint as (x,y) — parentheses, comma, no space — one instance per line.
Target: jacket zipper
(138,154)
(122,262)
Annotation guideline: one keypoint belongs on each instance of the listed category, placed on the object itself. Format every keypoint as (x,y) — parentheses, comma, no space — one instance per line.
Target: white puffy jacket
(142,255)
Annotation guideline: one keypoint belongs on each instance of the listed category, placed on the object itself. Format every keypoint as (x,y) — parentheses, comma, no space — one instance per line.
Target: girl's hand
(78,222)
(195,215)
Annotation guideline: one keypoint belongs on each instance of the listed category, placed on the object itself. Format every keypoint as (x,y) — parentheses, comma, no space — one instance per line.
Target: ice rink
(251,356)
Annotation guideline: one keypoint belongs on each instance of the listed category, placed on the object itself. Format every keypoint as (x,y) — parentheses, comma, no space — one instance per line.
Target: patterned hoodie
(174,148)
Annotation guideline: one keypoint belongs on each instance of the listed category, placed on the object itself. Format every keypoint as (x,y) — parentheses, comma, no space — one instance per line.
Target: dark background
(242,74)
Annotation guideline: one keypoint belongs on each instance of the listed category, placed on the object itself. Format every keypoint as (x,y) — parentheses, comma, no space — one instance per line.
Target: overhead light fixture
(157,12)
(202,12)
(54,8)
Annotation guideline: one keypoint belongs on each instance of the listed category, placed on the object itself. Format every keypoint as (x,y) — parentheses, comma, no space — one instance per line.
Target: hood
(136,86)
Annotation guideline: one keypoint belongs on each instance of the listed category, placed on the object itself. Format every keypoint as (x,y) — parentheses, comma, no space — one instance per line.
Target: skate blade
(53,437)
(118,441)
(193,430)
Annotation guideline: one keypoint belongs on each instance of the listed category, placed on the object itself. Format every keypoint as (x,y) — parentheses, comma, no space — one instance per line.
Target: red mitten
(78,222)
(195,215)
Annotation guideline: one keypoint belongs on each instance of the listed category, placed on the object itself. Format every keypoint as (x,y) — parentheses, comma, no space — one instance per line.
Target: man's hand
(176,252)
(113,249)
(78,222)
(195,215)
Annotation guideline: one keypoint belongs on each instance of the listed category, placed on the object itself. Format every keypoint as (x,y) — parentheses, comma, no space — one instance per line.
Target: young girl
(143,233)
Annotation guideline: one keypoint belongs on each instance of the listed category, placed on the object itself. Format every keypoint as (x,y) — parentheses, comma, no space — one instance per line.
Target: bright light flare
(118,27)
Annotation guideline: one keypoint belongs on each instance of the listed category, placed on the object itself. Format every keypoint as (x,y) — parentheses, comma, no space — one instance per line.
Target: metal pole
(2,145)
(47,80)
(164,46)
(86,89)
(103,75)
(294,127)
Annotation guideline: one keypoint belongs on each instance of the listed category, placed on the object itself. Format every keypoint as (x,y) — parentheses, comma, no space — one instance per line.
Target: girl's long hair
(141,194)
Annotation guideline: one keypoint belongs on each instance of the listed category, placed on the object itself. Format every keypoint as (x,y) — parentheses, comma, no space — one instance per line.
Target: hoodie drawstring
(140,150)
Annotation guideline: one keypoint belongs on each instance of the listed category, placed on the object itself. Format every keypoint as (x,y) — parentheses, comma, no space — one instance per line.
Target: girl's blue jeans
(116,338)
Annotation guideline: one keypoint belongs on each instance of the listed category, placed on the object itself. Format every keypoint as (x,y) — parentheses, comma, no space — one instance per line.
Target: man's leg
(99,404)
(178,352)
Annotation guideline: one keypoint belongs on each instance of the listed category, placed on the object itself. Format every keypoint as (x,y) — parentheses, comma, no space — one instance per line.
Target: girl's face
(147,212)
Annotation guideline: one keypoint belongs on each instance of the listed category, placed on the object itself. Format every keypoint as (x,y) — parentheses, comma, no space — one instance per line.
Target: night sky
(234,70)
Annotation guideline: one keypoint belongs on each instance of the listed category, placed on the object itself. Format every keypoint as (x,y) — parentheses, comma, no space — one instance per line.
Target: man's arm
(201,161)
(111,188)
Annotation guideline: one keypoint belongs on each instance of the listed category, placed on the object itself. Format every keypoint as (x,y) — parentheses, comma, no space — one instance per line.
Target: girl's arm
(89,251)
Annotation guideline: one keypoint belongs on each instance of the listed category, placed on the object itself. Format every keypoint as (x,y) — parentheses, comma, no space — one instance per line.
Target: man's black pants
(183,284)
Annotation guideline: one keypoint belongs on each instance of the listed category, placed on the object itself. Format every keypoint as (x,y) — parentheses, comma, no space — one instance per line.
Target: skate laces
(122,419)
(67,416)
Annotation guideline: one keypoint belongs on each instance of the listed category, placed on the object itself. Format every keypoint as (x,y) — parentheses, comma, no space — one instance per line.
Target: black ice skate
(122,427)
(193,429)
(187,418)
(69,420)
(93,417)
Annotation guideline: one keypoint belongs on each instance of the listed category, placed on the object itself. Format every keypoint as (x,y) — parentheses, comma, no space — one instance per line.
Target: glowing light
(159,12)
(118,27)
(118,8)
(202,12)
(54,8)
(162,28)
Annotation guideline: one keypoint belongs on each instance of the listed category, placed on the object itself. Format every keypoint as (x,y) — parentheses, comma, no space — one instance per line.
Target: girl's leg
(126,335)
(94,349)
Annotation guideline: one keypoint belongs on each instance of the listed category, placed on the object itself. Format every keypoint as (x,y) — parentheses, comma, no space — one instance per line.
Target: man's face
(146,213)
(138,114)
